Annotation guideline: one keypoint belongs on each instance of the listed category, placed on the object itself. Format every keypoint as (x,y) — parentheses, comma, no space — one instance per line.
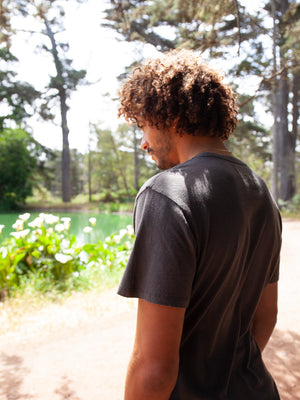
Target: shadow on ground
(282,357)
(11,373)
(65,391)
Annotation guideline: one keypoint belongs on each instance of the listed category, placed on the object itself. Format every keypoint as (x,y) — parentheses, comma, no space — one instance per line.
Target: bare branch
(268,79)
(238,24)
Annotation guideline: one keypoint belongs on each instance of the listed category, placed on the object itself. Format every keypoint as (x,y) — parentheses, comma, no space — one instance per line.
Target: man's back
(217,239)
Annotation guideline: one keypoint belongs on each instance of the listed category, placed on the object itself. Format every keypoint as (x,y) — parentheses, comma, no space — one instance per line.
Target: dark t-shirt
(208,237)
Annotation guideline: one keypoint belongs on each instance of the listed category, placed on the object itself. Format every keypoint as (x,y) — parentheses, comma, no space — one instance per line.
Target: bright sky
(93,48)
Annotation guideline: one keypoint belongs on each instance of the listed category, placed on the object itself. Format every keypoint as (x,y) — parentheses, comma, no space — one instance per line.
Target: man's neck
(189,146)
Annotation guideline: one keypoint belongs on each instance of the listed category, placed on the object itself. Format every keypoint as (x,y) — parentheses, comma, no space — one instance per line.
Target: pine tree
(226,29)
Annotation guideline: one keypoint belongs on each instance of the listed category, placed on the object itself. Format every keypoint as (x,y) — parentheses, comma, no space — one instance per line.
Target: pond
(106,224)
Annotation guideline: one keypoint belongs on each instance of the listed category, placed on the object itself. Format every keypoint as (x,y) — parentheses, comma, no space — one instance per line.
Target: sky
(92,47)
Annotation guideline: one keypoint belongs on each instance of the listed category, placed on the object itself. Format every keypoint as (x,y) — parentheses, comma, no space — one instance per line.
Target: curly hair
(179,90)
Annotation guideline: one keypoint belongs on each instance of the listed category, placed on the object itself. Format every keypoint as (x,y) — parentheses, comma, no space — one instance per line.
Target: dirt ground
(79,350)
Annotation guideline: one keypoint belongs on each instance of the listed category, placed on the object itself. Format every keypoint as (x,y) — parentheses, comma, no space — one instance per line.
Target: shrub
(291,207)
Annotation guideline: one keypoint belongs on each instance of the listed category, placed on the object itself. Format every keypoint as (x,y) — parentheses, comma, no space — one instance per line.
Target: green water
(106,224)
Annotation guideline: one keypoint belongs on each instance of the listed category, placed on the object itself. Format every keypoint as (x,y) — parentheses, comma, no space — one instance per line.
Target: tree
(15,96)
(127,139)
(20,165)
(251,141)
(286,14)
(117,166)
(65,81)
(218,28)
(50,13)
(77,171)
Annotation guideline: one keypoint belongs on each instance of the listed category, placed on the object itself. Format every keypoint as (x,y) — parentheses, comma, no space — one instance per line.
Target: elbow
(155,377)
(160,378)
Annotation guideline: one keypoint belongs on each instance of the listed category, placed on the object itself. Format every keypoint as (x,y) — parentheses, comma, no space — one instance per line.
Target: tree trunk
(296,89)
(123,175)
(90,175)
(275,147)
(66,186)
(284,146)
(287,174)
(295,117)
(59,85)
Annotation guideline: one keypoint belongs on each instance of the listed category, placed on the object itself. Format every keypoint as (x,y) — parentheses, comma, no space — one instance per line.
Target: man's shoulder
(165,183)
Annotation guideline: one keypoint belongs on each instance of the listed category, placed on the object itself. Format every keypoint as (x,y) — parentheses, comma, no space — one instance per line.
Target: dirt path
(79,350)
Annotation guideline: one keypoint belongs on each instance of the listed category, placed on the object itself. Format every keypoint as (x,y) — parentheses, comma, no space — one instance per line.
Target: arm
(265,316)
(153,367)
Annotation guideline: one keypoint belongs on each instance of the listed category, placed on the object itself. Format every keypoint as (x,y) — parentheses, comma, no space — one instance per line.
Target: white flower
(62,258)
(64,244)
(66,221)
(130,230)
(93,221)
(59,228)
(51,219)
(4,252)
(24,217)
(25,232)
(50,230)
(87,229)
(1,227)
(20,234)
(36,223)
(117,238)
(18,225)
(123,232)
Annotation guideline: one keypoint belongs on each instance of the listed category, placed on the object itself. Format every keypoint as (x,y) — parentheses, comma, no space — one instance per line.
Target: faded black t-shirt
(208,237)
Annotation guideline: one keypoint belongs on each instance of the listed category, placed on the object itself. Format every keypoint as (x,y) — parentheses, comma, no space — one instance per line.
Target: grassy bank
(45,201)
(42,258)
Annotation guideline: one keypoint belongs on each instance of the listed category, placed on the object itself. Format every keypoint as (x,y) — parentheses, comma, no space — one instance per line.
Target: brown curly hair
(179,90)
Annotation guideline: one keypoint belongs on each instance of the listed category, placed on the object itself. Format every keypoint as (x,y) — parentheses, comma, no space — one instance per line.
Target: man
(206,256)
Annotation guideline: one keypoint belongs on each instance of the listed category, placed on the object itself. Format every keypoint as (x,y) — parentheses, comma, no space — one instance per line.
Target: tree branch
(268,79)
(238,24)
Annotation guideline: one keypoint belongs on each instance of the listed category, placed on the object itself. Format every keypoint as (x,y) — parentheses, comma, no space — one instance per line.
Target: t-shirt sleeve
(162,264)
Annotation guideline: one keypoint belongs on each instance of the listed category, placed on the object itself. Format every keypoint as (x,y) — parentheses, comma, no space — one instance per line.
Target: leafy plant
(43,250)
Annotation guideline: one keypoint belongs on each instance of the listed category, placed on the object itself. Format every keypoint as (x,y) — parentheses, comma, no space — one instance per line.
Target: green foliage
(207,25)
(263,44)
(20,165)
(43,251)
(17,165)
(15,96)
(290,208)
(111,163)
(113,252)
(251,142)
